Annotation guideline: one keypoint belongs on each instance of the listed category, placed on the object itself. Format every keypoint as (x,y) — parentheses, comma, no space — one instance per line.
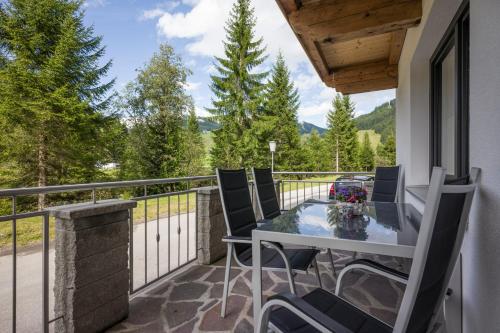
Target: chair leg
(316,269)
(331,261)
(229,256)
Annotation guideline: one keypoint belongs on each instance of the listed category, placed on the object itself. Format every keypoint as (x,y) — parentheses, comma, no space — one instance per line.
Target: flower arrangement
(351,194)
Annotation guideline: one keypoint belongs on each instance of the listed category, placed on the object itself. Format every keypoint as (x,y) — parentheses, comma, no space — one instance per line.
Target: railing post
(211,226)
(277,185)
(91,275)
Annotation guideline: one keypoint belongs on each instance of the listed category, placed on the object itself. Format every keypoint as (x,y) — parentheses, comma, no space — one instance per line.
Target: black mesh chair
(240,221)
(268,200)
(266,193)
(438,246)
(386,185)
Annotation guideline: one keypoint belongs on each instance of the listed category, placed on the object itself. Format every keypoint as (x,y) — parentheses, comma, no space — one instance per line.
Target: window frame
(457,35)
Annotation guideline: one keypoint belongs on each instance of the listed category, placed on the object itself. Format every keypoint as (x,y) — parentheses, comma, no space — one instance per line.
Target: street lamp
(272,148)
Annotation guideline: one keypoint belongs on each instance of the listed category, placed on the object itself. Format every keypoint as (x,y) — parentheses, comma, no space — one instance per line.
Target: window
(449,142)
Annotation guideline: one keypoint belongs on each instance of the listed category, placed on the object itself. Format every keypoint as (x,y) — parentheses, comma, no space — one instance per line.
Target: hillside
(381,120)
(206,125)
(307,128)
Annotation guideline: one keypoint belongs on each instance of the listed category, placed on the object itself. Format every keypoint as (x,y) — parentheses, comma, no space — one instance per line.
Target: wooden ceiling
(354,45)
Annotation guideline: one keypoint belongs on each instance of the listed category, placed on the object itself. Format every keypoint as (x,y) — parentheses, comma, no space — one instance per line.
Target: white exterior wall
(481,252)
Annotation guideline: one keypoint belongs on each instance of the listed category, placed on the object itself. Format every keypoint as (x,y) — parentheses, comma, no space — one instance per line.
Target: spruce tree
(237,89)
(342,134)
(278,121)
(51,95)
(366,154)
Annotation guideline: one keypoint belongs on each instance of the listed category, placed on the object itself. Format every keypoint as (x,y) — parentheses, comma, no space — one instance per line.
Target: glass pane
(448,113)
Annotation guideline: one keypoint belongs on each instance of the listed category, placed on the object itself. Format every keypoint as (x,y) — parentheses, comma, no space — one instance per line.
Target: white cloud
(191,86)
(203,26)
(95,3)
(200,111)
(366,102)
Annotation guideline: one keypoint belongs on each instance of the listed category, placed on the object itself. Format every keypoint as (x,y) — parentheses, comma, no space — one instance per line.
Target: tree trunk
(42,168)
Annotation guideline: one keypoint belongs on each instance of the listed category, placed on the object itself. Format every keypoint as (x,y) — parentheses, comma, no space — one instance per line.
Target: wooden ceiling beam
(346,19)
(397,41)
(367,77)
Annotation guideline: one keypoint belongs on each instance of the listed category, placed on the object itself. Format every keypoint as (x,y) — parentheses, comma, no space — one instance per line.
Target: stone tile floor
(190,302)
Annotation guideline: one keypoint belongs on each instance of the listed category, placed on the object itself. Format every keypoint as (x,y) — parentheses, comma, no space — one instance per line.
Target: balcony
(190,301)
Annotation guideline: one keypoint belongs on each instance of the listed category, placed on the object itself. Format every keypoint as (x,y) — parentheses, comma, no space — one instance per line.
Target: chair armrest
(378,266)
(307,312)
(237,239)
(371,266)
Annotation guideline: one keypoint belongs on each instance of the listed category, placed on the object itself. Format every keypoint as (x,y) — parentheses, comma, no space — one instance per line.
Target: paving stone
(180,312)
(241,288)
(208,305)
(187,291)
(216,291)
(144,310)
(154,327)
(244,326)
(218,275)
(306,278)
(186,328)
(194,273)
(267,281)
(161,289)
(213,322)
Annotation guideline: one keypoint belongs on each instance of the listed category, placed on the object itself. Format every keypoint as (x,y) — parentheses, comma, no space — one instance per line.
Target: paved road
(161,256)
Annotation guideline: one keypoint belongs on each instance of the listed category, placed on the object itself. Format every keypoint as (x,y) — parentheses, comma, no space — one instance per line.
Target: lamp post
(272,148)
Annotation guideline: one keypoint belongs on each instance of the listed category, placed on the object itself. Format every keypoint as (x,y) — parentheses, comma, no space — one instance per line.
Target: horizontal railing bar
(96,186)
(322,173)
(8,218)
(162,195)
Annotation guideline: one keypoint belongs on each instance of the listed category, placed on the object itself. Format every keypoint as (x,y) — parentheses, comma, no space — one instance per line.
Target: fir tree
(342,134)
(366,154)
(386,154)
(156,103)
(237,88)
(51,94)
(278,120)
(194,149)
(315,153)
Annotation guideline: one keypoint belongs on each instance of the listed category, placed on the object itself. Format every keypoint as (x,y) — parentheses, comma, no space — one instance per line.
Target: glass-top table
(385,223)
(382,228)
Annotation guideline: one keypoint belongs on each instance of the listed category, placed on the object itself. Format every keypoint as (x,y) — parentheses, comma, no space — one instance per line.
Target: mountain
(382,120)
(206,125)
(307,128)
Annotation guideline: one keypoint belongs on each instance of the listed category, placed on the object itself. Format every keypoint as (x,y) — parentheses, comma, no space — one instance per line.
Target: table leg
(256,281)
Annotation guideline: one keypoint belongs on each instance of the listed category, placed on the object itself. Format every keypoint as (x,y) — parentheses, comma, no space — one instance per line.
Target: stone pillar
(91,274)
(211,226)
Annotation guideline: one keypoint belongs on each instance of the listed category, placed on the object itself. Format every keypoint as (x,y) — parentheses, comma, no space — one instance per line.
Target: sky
(132,31)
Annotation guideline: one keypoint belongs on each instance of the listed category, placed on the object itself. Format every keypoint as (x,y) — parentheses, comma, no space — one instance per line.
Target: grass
(29,230)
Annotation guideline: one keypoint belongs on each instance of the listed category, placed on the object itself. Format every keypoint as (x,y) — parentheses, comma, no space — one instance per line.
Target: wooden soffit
(354,45)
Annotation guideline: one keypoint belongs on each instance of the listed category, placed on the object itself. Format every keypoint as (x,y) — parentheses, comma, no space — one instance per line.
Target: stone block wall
(91,275)
(211,226)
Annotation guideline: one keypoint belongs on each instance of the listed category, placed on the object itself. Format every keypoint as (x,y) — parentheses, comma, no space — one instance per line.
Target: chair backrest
(266,193)
(438,246)
(385,187)
(236,204)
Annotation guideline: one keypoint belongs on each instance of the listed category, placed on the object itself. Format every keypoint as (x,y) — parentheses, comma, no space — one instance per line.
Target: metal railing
(173,211)
(164,223)
(295,187)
